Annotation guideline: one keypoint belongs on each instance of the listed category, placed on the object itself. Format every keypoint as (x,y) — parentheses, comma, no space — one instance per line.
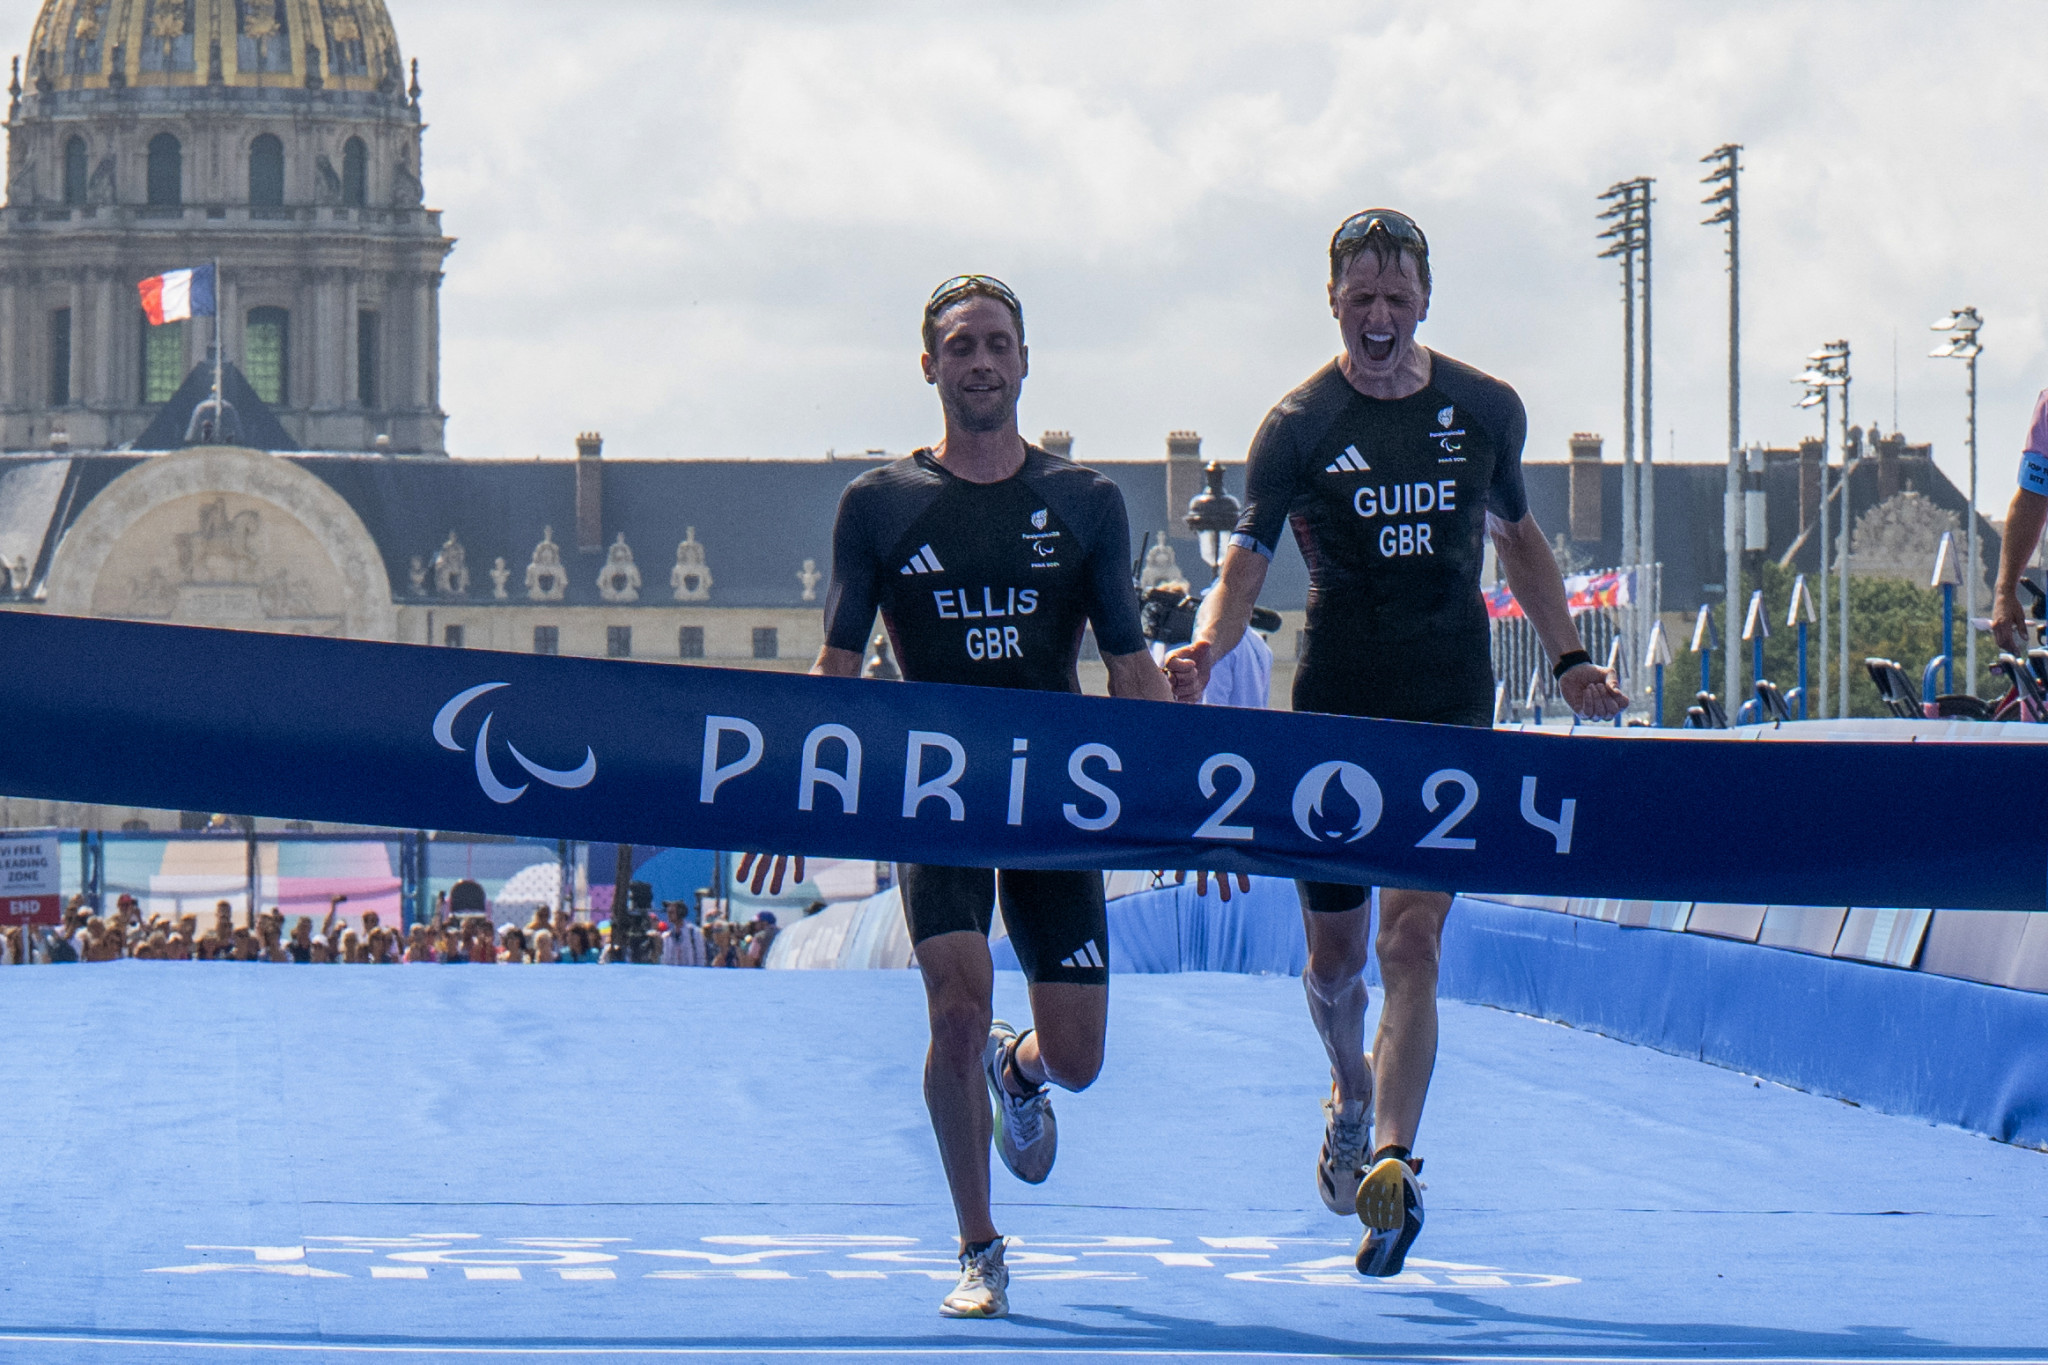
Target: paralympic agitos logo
(444,735)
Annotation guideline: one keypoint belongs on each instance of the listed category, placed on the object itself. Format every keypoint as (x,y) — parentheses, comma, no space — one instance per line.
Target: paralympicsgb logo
(444,735)
(1343,816)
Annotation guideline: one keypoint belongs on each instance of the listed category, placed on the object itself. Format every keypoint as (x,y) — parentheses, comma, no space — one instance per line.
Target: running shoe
(1390,1204)
(1347,1135)
(984,1288)
(1026,1135)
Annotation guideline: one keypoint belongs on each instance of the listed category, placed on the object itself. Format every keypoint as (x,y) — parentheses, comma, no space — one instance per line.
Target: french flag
(177,295)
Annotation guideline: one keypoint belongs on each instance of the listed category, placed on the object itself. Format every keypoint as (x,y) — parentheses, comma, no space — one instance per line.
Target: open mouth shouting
(1379,346)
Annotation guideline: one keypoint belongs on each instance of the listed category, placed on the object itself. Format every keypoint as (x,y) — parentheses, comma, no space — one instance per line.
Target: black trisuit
(1389,499)
(990,585)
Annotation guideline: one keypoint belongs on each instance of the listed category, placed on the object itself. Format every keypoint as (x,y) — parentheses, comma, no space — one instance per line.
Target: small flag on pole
(177,295)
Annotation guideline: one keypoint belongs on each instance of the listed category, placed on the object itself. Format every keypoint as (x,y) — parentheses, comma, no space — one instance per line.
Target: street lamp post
(1212,516)
(1726,177)
(1962,344)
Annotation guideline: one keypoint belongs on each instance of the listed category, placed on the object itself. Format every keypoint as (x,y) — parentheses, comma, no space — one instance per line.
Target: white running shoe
(1347,1136)
(984,1288)
(1026,1136)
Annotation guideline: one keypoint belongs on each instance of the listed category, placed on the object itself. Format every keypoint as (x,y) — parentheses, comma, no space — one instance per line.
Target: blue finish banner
(173,717)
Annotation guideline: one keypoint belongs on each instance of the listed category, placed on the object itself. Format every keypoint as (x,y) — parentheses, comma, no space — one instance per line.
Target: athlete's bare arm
(2024,521)
(1225,616)
(837,663)
(1136,676)
(1533,577)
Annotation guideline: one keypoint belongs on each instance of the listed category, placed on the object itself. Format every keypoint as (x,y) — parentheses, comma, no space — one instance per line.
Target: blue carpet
(209,1161)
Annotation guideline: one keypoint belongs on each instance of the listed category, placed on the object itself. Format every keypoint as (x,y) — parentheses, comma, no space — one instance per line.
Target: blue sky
(706,229)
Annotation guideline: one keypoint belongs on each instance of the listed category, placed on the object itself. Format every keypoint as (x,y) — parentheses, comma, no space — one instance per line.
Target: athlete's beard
(982,412)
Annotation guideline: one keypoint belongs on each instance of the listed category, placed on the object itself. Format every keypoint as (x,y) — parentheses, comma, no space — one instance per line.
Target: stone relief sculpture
(690,578)
(418,574)
(809,577)
(619,579)
(154,595)
(545,578)
(329,191)
(223,547)
(451,568)
(499,575)
(406,190)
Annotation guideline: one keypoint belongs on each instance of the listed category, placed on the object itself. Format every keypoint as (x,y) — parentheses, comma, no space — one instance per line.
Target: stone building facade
(279,137)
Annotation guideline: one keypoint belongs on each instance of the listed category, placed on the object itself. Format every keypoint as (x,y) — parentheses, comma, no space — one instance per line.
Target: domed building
(279,137)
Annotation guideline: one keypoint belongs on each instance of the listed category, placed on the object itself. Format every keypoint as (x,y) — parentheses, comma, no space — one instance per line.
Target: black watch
(1568,661)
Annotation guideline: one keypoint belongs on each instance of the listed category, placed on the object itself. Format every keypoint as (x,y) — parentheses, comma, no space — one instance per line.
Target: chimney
(1585,486)
(1183,478)
(589,491)
(1060,443)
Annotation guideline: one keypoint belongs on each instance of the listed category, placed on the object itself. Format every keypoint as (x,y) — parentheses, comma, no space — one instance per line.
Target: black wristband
(1568,661)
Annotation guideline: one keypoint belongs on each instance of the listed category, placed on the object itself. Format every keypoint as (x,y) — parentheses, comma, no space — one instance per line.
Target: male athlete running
(986,556)
(1391,462)
(2024,521)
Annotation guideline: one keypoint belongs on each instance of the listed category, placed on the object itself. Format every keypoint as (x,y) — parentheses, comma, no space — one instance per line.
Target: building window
(690,642)
(547,639)
(166,171)
(366,358)
(163,360)
(355,173)
(266,354)
(618,642)
(451,636)
(60,357)
(266,172)
(74,171)
(764,643)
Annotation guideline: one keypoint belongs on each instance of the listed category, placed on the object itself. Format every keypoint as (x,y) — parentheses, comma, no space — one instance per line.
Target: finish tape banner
(407,736)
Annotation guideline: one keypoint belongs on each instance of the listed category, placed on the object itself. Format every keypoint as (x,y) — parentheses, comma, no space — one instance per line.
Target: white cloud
(707,228)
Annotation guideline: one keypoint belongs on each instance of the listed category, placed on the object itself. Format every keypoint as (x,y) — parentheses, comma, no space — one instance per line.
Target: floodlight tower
(1825,372)
(1962,325)
(1629,213)
(1726,176)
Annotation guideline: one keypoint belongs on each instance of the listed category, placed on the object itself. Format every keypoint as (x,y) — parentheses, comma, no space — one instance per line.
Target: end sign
(29,884)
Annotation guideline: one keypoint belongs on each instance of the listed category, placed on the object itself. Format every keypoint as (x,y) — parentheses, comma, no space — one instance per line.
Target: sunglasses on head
(1399,226)
(969,286)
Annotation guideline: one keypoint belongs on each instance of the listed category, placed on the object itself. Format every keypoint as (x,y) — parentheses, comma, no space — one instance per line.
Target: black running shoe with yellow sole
(1390,1206)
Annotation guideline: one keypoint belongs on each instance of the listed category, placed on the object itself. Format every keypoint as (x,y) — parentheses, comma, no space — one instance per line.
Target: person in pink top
(2024,521)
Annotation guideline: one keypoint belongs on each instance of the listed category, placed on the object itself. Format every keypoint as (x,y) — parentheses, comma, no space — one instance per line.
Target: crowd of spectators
(557,935)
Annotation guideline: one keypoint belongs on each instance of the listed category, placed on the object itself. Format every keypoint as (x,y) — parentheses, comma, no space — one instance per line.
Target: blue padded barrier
(1898,1041)
(1904,1042)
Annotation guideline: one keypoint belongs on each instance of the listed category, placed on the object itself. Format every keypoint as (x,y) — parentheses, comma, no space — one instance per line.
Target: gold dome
(308,44)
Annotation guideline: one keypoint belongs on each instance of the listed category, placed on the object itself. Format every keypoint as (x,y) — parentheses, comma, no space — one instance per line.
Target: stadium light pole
(1821,378)
(1962,344)
(1628,212)
(1726,177)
